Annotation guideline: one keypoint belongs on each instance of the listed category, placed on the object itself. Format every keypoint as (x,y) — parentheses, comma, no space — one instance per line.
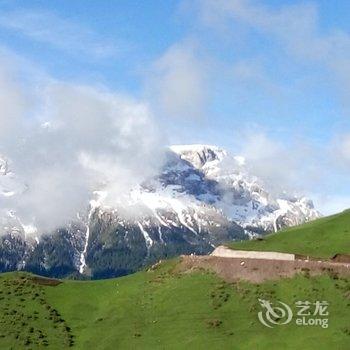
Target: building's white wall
(225,252)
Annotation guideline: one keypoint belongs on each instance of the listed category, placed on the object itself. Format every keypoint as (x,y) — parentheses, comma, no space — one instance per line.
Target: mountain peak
(199,155)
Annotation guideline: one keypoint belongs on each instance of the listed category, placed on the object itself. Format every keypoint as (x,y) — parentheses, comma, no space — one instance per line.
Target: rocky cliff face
(202,197)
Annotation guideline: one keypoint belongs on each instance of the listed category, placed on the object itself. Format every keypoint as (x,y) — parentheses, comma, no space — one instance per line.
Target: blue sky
(268,79)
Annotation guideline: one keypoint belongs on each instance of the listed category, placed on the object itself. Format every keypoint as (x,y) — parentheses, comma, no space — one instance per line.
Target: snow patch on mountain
(243,197)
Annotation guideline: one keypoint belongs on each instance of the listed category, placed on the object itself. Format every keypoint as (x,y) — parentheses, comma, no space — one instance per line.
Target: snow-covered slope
(202,197)
(243,197)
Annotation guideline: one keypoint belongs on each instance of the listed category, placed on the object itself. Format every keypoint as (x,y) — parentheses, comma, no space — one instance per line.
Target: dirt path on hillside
(259,270)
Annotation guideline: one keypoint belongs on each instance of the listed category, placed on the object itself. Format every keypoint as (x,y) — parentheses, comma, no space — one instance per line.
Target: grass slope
(320,238)
(163,309)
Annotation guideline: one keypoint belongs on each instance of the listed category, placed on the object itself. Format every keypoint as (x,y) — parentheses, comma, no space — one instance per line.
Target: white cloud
(318,172)
(12,101)
(294,167)
(47,27)
(294,27)
(178,82)
(92,139)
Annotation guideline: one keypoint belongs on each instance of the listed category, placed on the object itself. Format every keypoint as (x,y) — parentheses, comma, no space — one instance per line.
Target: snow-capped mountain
(201,198)
(241,196)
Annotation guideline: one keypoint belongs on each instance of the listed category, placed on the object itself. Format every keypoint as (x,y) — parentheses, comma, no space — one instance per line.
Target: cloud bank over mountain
(64,140)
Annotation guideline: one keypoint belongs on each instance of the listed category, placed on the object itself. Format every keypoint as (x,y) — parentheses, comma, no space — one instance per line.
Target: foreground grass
(320,238)
(163,309)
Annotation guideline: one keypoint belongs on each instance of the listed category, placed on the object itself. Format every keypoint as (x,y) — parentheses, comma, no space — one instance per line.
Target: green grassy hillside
(320,238)
(163,309)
